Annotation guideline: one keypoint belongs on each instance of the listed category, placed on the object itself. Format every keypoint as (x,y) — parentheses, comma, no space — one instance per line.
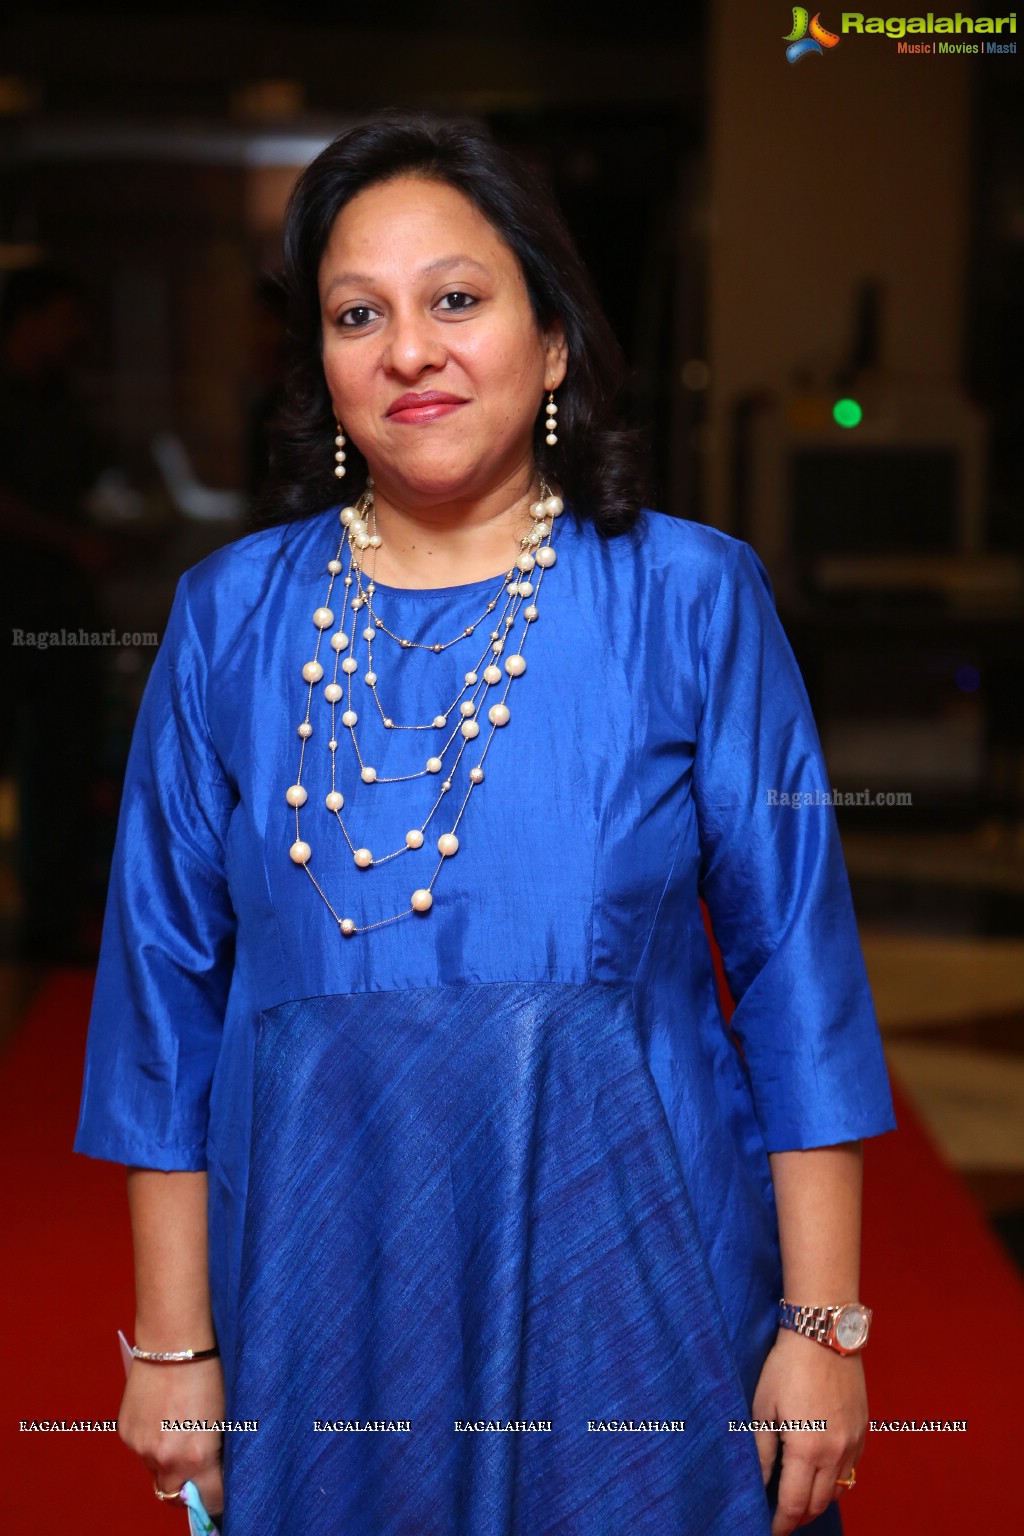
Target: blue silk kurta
(503,1162)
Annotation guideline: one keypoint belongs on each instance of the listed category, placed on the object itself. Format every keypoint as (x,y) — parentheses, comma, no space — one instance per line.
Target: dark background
(767,238)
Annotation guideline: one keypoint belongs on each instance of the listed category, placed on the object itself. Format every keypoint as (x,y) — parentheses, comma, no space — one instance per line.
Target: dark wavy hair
(598,463)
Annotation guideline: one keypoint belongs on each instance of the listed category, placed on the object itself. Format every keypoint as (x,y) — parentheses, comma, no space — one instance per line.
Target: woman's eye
(359,314)
(457,301)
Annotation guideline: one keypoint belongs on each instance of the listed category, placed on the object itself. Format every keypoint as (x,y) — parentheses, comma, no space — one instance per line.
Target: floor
(950,1001)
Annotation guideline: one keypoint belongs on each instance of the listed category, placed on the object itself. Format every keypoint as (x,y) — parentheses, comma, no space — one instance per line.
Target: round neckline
(482,583)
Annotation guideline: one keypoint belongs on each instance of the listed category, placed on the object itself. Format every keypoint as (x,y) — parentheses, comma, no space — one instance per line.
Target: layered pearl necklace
(519,586)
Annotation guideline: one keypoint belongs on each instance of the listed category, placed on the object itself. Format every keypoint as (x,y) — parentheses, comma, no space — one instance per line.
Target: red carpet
(947,1343)
(69,1290)
(948,1340)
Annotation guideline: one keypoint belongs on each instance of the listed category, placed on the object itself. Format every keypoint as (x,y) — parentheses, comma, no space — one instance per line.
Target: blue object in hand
(199,1522)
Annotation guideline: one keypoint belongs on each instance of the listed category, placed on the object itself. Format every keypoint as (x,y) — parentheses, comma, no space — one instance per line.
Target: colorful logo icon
(800,42)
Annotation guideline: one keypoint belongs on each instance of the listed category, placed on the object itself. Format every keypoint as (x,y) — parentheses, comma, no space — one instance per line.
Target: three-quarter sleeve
(168,937)
(774,881)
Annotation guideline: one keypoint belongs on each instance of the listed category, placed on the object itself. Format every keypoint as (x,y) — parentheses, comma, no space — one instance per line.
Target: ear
(556,355)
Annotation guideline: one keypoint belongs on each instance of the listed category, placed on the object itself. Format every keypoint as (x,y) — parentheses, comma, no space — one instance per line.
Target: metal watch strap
(812,1322)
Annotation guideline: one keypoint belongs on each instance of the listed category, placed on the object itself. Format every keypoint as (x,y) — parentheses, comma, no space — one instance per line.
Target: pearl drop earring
(339,452)
(552,413)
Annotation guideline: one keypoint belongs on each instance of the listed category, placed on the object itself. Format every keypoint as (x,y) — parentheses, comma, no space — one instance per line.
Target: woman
(405,996)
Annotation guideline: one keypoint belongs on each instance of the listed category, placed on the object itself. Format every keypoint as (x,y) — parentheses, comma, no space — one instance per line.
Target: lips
(428,405)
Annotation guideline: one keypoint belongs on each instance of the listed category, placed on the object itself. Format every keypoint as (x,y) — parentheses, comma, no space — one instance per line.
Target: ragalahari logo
(808,35)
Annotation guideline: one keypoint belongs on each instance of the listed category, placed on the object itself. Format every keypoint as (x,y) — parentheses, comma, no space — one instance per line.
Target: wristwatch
(843,1328)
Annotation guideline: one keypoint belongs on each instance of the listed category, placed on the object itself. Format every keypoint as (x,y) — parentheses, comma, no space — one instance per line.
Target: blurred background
(816,271)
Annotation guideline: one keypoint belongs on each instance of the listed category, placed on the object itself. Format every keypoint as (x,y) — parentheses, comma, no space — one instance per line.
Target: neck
(450,543)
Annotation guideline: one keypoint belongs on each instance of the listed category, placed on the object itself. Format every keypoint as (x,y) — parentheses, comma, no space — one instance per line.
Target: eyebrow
(361,279)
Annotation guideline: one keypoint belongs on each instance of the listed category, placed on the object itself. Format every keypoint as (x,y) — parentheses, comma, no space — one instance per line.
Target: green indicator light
(847,413)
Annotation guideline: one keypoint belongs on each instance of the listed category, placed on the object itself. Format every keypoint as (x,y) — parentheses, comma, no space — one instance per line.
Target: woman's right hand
(155,1393)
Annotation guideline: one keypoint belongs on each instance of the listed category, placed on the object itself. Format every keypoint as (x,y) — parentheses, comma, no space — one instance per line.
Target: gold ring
(847,1482)
(161,1495)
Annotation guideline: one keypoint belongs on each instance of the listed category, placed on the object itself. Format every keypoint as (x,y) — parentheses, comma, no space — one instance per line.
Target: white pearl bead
(295,795)
(542,529)
(476,775)
(300,852)
(471,678)
(323,618)
(335,800)
(553,506)
(537,509)
(492,674)
(334,566)
(529,614)
(312,671)
(339,470)
(357,603)
(498,647)
(305,730)
(350,665)
(551,439)
(546,557)
(525,589)
(363,858)
(524,563)
(422,901)
(348,927)
(515,666)
(498,714)
(370,679)
(332,745)
(356,526)
(369,633)
(469,729)
(448,845)
(368,775)
(414,839)
(467,709)
(332,693)
(433,765)
(388,723)
(346,515)
(440,721)
(349,718)
(339,441)
(362,541)
(339,642)
(375,541)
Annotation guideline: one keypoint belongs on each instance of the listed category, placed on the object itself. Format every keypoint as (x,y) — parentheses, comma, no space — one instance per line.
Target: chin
(441,482)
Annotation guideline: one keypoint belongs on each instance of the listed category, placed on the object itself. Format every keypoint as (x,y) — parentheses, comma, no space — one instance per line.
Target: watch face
(851,1328)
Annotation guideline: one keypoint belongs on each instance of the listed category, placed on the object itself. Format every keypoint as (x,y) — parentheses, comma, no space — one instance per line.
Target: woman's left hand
(804,1380)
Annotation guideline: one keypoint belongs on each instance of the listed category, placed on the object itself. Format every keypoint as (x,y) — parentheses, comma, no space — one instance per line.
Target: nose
(414,345)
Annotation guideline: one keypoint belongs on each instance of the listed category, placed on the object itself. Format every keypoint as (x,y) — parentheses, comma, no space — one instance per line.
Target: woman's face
(433,358)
